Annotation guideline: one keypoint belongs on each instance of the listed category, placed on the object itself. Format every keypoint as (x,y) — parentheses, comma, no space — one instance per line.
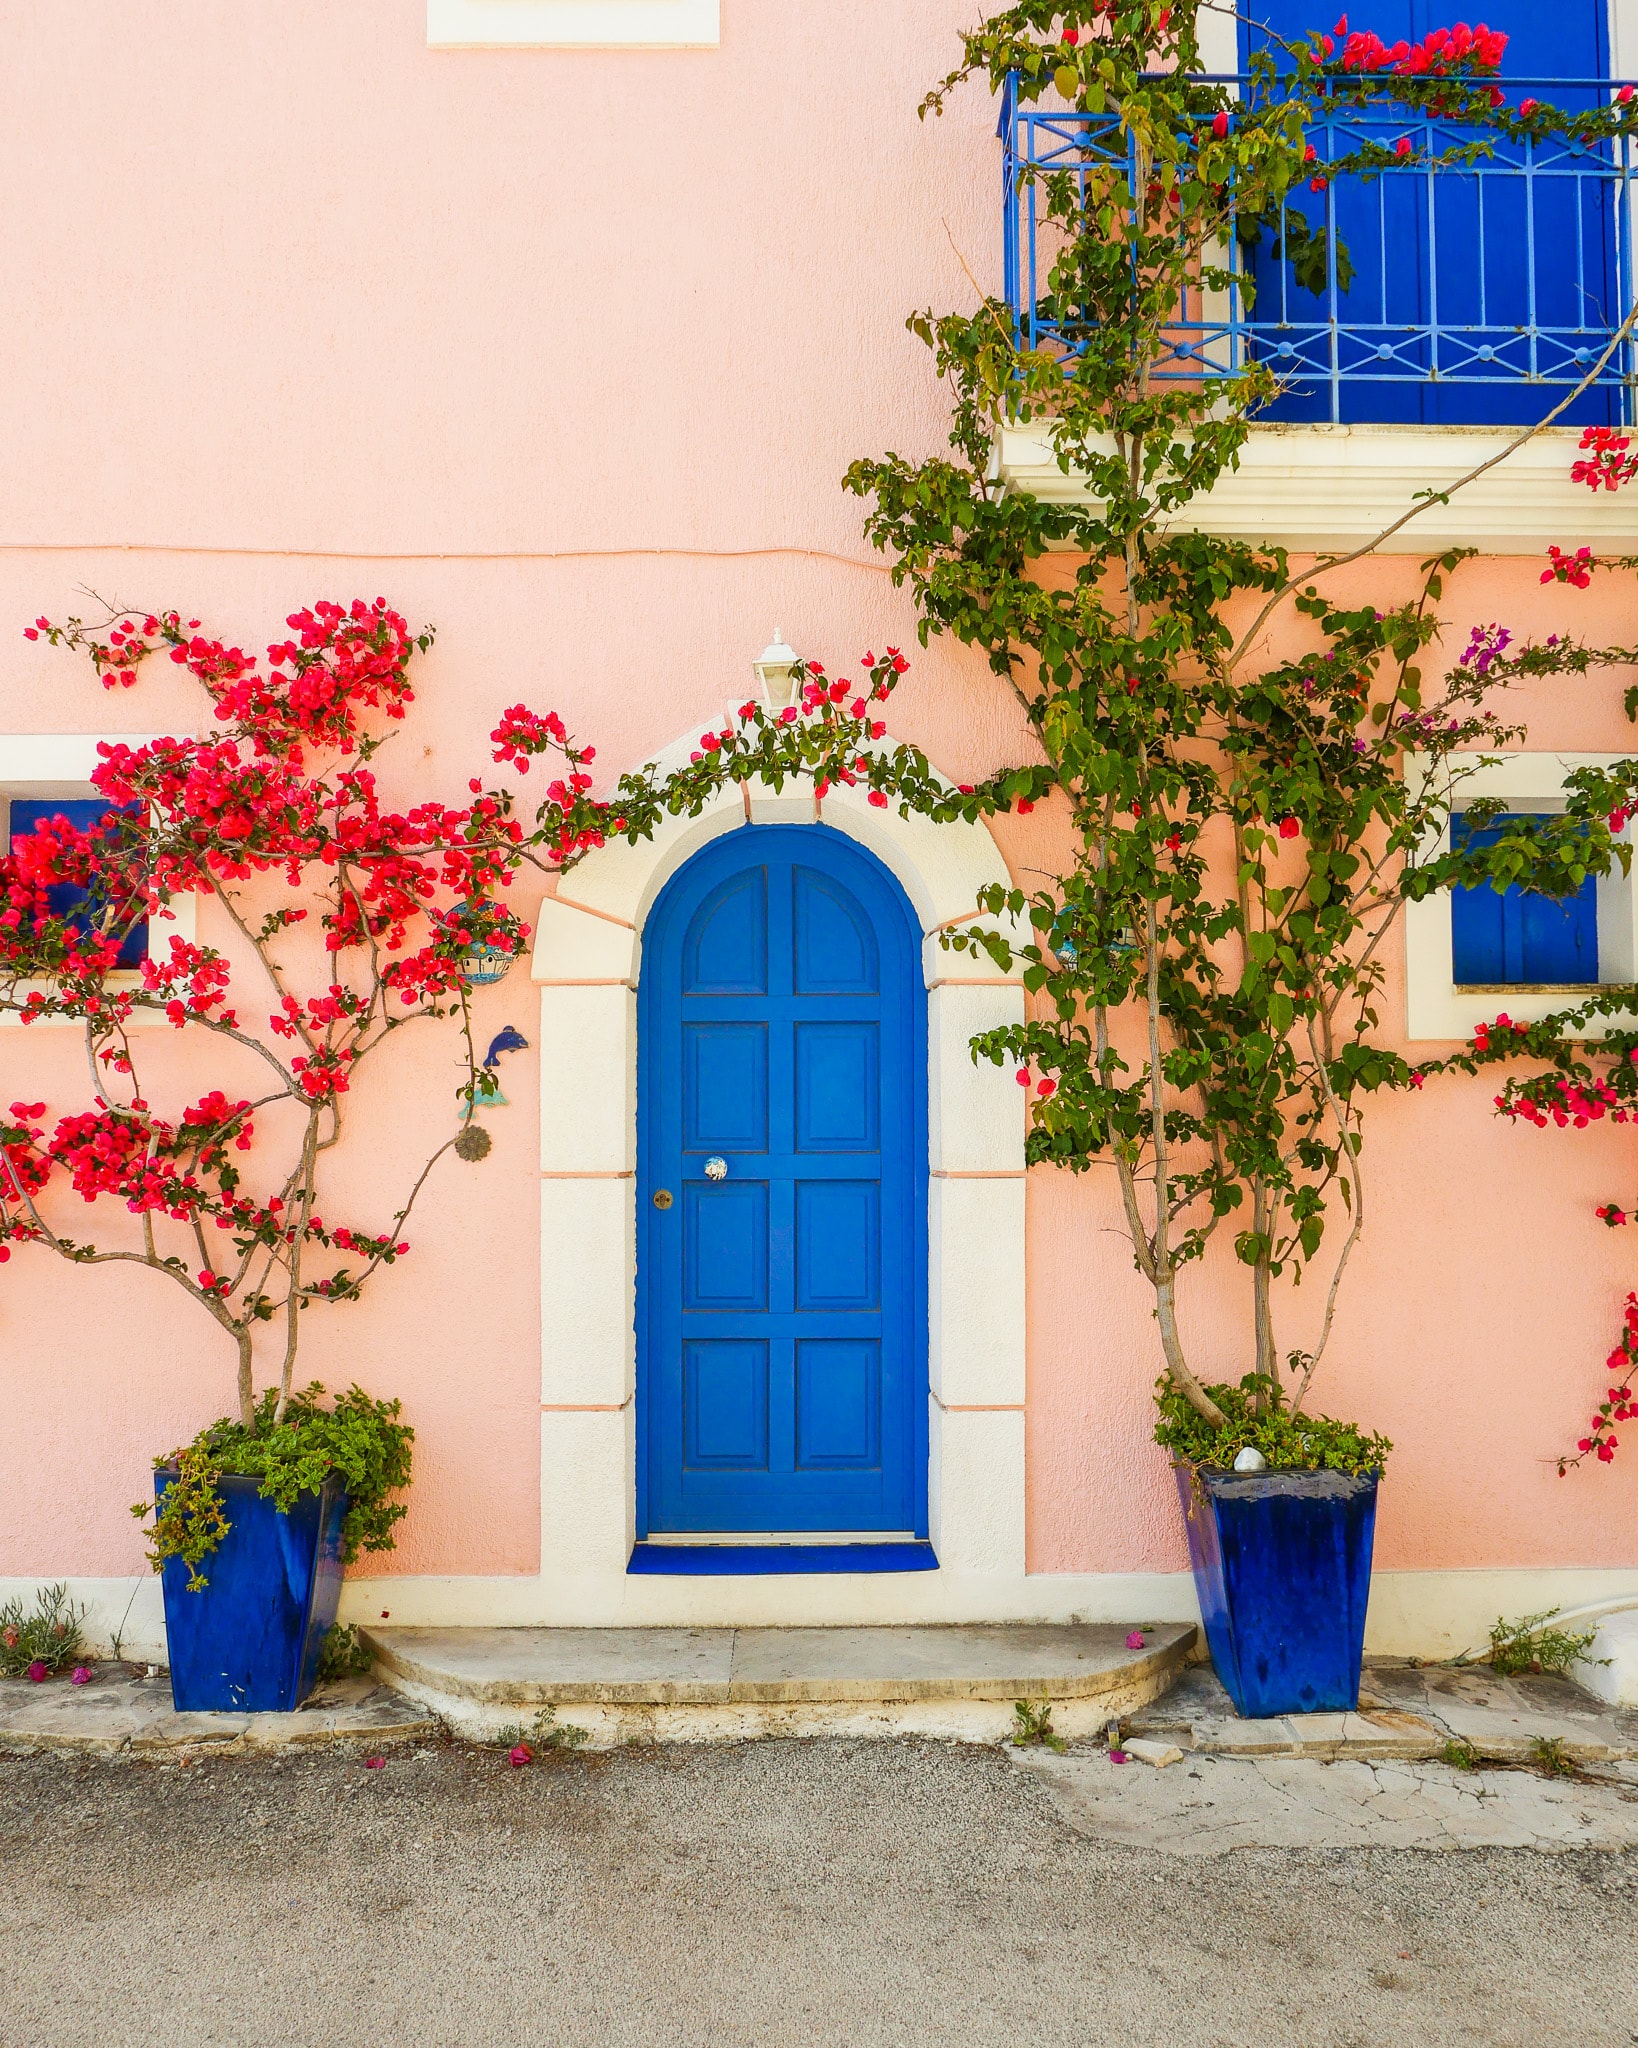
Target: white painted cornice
(1325,488)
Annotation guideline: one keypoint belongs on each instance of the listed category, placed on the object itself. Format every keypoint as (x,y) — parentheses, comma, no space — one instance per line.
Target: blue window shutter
(1518,935)
(28,813)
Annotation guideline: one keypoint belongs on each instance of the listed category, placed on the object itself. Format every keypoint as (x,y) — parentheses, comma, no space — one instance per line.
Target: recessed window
(573,24)
(20,816)
(1464,946)
(1516,935)
(46,775)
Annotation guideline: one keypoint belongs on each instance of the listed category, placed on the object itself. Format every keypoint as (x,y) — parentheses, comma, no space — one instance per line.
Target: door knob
(716,1169)
(662,1198)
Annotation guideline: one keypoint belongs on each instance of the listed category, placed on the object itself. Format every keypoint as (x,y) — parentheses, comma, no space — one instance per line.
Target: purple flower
(1117,1756)
(37,1671)
(1135,1640)
(81,1675)
(1484,644)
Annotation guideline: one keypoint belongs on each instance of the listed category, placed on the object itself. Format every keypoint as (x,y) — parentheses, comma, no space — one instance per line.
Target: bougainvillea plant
(338,921)
(330,922)
(1583,1058)
(1207,964)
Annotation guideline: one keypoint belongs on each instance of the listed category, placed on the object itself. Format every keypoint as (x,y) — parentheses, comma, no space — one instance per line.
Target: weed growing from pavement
(50,1636)
(1530,1645)
(1032,1726)
(1460,1755)
(546,1731)
(1547,1754)
(343,1654)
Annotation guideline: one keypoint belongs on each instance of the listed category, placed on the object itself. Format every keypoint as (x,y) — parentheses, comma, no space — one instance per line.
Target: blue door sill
(748,1560)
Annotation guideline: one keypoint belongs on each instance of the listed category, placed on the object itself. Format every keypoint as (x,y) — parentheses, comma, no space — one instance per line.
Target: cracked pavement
(1210,1805)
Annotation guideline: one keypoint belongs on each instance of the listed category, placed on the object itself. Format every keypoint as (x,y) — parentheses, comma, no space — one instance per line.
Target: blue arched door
(782,1195)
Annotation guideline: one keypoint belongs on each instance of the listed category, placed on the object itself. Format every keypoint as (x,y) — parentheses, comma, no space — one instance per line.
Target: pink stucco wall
(566,352)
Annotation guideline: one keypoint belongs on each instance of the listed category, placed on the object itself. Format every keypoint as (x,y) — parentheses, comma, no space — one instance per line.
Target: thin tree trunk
(247,1384)
(1262,1285)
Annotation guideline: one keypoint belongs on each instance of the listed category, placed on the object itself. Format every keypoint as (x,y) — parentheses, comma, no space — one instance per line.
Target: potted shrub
(338,922)
(1236,834)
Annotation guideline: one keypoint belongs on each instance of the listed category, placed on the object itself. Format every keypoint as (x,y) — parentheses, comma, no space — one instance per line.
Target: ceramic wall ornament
(482,966)
(508,1039)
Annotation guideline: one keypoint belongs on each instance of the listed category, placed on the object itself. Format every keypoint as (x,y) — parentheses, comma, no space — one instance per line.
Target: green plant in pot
(332,925)
(1235,834)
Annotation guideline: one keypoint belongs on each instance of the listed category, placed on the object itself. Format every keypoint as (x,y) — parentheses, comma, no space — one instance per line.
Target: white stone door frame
(587,954)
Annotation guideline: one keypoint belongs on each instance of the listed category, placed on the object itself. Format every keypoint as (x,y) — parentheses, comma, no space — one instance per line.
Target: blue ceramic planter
(1282,1565)
(249,1642)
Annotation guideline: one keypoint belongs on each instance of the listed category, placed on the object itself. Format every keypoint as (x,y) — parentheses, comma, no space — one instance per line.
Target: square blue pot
(1282,1566)
(249,1641)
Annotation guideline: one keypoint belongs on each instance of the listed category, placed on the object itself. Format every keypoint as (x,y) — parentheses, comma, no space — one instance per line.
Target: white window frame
(40,767)
(574,24)
(1436,1005)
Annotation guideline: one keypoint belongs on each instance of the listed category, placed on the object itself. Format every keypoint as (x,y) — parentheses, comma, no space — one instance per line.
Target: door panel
(782,1321)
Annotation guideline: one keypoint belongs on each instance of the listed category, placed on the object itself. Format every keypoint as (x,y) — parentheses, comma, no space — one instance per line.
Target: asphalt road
(786,1892)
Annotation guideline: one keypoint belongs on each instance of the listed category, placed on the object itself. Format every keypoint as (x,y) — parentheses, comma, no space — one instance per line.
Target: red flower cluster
(1563,1103)
(1445,53)
(1621,1401)
(1610,465)
(1575,569)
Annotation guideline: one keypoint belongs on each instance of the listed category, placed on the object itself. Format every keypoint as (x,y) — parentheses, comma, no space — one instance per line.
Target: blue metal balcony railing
(1481,293)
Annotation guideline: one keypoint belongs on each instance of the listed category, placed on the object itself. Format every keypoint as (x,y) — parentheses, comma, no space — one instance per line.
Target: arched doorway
(782,1196)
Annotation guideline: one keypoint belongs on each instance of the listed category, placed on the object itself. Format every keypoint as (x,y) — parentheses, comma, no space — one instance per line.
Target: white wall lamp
(775,670)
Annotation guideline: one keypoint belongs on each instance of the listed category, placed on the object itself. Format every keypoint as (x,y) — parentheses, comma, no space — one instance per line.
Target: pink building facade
(557,322)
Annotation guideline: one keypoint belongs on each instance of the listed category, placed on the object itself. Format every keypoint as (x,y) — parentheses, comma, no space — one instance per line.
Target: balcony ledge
(1324,489)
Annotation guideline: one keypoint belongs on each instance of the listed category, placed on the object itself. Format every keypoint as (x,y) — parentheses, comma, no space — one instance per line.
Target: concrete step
(613,1685)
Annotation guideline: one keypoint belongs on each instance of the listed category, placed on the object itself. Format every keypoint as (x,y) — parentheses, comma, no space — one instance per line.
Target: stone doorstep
(531,1668)
(1412,1712)
(134,1717)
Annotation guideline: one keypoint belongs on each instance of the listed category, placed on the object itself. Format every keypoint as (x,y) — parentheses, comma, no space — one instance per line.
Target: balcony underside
(1321,489)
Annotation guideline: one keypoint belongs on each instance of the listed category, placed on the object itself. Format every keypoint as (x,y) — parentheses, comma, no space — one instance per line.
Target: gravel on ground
(799,1892)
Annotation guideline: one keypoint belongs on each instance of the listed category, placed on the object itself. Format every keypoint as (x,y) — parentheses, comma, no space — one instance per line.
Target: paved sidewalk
(1408,1711)
(123,1710)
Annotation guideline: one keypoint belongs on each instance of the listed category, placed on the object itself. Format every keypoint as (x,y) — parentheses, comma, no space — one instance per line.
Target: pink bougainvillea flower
(519,1755)
(1135,1640)
(37,1672)
(81,1675)
(1117,1756)
(375,1763)
(1023,1077)
(1289,828)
